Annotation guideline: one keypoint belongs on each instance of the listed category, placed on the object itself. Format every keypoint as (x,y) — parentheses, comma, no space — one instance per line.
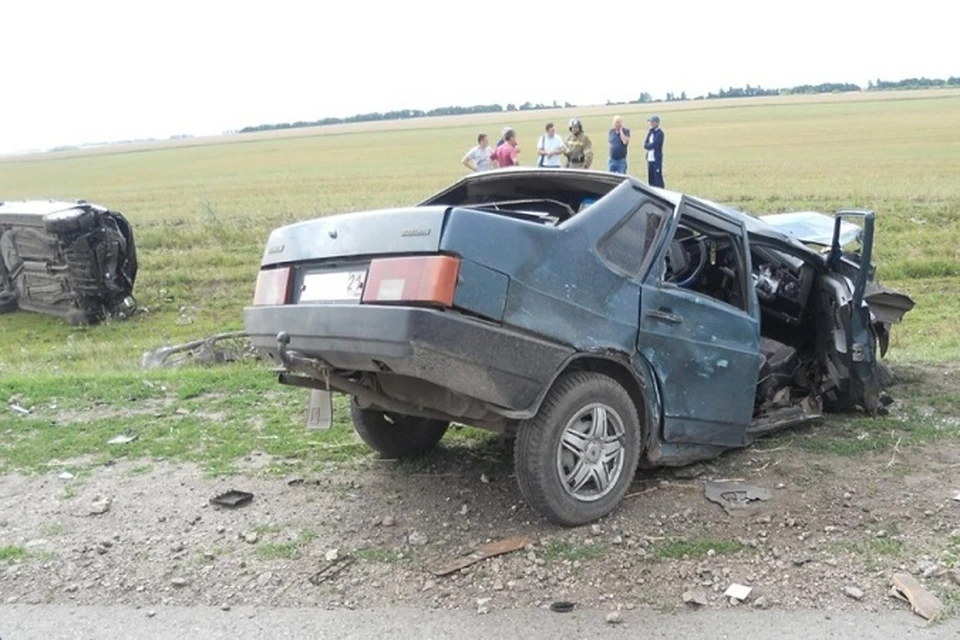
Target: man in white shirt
(478,158)
(550,147)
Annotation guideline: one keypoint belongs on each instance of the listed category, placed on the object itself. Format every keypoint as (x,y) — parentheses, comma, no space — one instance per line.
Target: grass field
(202,211)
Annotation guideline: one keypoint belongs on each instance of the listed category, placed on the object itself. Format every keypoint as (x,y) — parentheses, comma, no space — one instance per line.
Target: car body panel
(536,281)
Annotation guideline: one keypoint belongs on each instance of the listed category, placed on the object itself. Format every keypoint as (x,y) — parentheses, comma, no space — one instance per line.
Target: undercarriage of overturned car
(602,324)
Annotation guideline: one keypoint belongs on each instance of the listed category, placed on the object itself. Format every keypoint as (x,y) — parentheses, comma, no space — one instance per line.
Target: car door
(859,354)
(704,350)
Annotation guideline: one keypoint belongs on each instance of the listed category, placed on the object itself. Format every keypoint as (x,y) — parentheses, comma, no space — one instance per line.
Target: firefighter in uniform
(579,148)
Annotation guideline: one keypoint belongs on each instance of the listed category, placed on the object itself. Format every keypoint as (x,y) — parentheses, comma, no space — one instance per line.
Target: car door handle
(665,316)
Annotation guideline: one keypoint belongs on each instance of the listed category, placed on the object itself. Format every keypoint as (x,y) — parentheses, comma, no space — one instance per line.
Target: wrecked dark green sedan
(602,323)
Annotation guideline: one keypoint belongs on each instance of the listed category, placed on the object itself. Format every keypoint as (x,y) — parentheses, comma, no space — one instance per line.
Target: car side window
(708,260)
(627,246)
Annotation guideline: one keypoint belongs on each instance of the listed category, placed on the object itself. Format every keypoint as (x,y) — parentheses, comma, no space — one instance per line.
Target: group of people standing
(577,149)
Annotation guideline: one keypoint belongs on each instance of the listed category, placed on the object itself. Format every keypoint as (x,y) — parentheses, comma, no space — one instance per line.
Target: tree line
(731,92)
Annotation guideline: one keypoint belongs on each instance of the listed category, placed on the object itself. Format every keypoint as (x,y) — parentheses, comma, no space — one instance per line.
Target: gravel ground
(830,537)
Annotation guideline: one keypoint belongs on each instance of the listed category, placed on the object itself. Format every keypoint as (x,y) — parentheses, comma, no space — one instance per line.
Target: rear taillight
(272,286)
(431,280)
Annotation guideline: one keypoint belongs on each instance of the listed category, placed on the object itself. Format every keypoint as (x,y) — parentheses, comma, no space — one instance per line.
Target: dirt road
(51,622)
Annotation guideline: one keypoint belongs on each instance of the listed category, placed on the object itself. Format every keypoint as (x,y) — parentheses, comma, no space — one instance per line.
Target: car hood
(812,227)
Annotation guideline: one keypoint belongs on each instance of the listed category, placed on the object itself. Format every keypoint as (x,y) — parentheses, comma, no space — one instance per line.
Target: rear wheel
(395,435)
(8,301)
(576,458)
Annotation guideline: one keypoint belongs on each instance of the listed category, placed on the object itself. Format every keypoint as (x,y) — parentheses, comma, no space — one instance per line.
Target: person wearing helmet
(579,148)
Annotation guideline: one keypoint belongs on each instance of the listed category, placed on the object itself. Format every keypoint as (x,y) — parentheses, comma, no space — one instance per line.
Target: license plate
(338,286)
(320,410)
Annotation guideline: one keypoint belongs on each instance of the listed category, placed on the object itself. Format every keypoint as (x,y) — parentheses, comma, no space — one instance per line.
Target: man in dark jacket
(654,146)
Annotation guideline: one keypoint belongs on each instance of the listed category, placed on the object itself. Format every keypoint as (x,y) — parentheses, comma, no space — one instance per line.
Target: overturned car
(604,323)
(74,260)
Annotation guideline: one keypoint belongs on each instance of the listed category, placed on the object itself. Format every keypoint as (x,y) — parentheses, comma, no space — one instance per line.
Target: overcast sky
(97,70)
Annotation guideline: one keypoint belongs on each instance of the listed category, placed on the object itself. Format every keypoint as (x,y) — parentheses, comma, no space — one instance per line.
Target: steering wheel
(685,259)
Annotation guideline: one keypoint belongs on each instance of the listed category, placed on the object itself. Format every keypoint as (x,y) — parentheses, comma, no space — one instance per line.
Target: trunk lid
(355,236)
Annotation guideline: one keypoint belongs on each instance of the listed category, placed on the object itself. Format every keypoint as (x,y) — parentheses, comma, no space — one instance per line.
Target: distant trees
(748,91)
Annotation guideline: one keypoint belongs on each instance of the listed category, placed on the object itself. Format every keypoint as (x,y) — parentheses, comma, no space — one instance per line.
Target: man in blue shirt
(619,138)
(654,147)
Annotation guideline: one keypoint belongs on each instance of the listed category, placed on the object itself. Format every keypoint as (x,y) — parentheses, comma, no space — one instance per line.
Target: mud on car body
(604,324)
(74,260)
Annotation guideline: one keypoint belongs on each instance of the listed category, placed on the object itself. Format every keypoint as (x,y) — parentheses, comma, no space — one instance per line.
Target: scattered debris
(738,591)
(923,603)
(332,555)
(180,582)
(484,479)
(735,495)
(201,351)
(957,497)
(802,560)
(854,592)
(417,539)
(65,475)
(760,603)
(482,552)
(696,597)
(614,617)
(562,606)
(250,537)
(331,570)
(232,498)
(16,408)
(388,521)
(124,438)
(895,593)
(482,607)
(295,482)
(100,505)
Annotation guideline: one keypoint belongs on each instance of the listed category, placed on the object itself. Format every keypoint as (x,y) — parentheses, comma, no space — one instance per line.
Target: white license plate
(337,286)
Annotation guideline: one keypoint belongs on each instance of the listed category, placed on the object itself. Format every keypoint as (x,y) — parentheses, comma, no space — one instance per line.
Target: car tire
(547,461)
(8,301)
(70,221)
(394,435)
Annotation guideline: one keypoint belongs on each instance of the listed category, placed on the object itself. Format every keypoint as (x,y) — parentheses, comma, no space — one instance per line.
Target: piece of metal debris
(562,606)
(922,602)
(482,552)
(735,495)
(16,408)
(123,438)
(202,351)
(232,498)
(331,570)
(738,591)
(957,497)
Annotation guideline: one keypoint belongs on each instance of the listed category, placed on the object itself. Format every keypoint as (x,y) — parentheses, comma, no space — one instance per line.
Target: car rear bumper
(468,356)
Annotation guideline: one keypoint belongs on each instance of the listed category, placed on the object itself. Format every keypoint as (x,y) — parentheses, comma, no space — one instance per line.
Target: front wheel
(395,435)
(576,458)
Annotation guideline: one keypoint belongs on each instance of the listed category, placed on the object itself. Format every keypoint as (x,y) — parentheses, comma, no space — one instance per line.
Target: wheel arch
(639,384)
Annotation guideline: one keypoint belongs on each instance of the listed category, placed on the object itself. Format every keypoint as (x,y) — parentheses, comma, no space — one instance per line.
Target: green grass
(677,548)
(557,550)
(202,214)
(930,411)
(12,553)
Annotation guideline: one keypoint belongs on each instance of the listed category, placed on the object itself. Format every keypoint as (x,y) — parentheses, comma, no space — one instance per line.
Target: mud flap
(320,410)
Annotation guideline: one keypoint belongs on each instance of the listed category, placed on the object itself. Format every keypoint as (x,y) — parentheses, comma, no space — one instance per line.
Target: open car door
(856,352)
(704,350)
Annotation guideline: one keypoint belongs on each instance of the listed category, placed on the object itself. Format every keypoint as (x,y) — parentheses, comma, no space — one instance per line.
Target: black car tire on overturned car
(8,301)
(546,448)
(395,435)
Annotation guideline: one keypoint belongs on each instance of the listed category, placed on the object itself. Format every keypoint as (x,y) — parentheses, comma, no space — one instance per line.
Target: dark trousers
(655,174)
